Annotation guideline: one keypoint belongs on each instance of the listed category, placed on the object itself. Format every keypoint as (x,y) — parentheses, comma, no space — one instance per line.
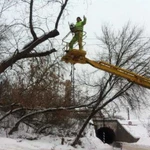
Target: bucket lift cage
(66,43)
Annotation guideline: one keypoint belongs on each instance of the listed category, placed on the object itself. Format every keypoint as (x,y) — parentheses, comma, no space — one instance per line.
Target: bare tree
(40,87)
(5,5)
(29,49)
(126,49)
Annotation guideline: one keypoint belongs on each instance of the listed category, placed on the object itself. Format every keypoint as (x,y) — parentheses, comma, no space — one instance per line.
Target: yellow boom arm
(78,56)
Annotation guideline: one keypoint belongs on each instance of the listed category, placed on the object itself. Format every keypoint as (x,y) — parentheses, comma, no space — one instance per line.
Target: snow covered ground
(49,143)
(90,142)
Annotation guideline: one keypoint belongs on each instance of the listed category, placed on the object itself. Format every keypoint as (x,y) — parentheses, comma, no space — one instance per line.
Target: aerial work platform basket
(75,56)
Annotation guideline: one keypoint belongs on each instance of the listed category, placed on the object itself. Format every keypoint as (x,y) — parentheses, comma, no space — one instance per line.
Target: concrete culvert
(106,135)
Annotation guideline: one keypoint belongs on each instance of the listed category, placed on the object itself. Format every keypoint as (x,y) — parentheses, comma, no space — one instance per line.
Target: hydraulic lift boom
(78,56)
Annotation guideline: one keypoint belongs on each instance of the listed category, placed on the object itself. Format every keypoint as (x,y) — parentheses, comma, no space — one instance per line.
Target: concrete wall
(121,134)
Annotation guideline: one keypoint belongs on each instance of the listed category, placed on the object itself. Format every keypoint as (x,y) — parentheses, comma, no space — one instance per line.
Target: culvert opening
(106,135)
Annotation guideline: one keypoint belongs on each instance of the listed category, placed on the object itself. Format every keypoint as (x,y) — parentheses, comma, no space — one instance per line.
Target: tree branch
(35,42)
(27,49)
(30,21)
(45,111)
(60,13)
(40,54)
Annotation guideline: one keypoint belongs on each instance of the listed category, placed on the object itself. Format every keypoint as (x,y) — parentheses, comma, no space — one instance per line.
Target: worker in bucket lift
(78,33)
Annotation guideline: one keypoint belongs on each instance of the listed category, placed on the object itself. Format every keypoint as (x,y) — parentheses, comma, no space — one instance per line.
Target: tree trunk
(82,129)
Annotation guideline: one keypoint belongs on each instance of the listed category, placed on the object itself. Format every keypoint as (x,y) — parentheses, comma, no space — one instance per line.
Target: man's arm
(84,20)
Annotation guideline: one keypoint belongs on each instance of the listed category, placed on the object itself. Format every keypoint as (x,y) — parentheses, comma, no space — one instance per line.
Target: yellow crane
(78,56)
